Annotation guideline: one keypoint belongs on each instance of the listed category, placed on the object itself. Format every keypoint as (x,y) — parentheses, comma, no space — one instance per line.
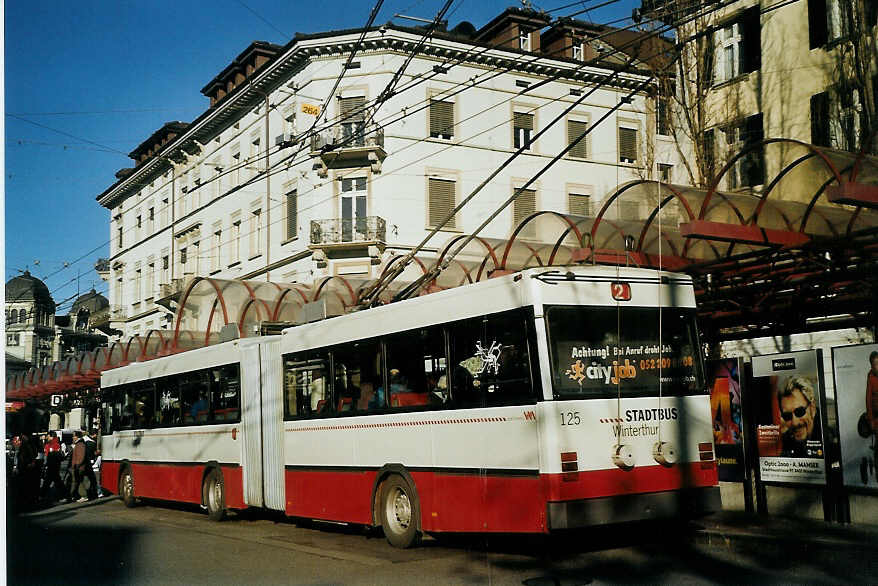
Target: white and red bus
(543,400)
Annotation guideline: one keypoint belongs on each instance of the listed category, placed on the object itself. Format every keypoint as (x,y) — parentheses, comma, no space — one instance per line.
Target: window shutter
(820,119)
(818,32)
(755,167)
(292,214)
(708,152)
(752,42)
(709,58)
(352,109)
(522,120)
(441,119)
(627,145)
(524,204)
(442,201)
(579,204)
(575,129)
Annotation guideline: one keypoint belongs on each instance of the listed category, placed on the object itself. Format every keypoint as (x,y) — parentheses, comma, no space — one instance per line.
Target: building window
(442,199)
(150,220)
(184,259)
(664,172)
(576,129)
(165,211)
(523,127)
(150,281)
(117,290)
(353,208)
(215,260)
(138,224)
(580,204)
(292,214)
(254,155)
(441,119)
(524,40)
(22,316)
(352,113)
(235,171)
(255,233)
(216,179)
(627,144)
(578,52)
(748,170)
(662,115)
(235,242)
(166,267)
(737,46)
(195,257)
(119,236)
(13,339)
(137,291)
(524,204)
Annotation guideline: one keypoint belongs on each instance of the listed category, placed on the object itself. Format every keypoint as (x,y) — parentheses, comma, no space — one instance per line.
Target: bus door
(262,421)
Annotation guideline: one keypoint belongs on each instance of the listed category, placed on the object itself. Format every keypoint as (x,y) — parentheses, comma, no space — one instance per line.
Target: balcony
(348,145)
(118,313)
(348,233)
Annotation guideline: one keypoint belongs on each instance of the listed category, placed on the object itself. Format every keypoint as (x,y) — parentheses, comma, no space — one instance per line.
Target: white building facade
(248,191)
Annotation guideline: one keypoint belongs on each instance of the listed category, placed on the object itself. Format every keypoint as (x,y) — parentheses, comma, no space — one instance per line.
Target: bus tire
(399,513)
(214,495)
(126,488)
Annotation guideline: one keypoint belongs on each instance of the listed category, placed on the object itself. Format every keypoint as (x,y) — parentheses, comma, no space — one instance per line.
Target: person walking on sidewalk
(82,467)
(53,487)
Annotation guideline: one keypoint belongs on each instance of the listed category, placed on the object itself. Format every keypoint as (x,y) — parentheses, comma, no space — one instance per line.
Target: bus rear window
(606,351)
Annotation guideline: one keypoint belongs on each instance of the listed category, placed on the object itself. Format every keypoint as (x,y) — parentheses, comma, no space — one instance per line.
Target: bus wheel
(126,488)
(399,515)
(214,495)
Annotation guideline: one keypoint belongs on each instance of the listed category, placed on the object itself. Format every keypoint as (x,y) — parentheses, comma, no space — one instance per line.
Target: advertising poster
(855,369)
(725,408)
(790,417)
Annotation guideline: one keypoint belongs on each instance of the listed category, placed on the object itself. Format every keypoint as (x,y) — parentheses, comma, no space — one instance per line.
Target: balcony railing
(351,135)
(354,230)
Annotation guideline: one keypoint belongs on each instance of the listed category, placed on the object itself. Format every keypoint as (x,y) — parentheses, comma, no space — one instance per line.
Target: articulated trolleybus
(538,401)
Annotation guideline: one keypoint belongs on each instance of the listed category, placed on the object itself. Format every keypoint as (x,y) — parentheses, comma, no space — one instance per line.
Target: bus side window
(126,400)
(144,405)
(306,386)
(195,397)
(168,396)
(226,394)
(357,376)
(490,361)
(416,366)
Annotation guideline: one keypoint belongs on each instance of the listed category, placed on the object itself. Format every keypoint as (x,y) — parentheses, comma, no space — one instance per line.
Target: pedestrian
(96,468)
(67,467)
(53,487)
(28,472)
(82,467)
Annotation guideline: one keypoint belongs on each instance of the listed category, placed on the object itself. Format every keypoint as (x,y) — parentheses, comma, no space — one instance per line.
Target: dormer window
(524,39)
(577,50)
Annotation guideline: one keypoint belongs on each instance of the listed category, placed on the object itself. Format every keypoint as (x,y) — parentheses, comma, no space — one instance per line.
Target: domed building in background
(30,320)
(35,336)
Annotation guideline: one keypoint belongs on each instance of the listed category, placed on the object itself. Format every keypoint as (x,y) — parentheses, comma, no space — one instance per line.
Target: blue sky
(88,81)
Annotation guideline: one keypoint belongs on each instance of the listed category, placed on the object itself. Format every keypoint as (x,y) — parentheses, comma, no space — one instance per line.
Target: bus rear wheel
(400,517)
(126,488)
(214,495)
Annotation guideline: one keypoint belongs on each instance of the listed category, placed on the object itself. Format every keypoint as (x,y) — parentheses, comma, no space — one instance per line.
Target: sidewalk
(735,529)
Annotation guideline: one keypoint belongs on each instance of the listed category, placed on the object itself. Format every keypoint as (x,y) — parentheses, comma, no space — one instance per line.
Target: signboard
(789,417)
(311,109)
(724,379)
(55,401)
(855,371)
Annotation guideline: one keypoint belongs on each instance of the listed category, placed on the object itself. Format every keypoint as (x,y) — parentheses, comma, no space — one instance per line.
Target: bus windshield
(610,351)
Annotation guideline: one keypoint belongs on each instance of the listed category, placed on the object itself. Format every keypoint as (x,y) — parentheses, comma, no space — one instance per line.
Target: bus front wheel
(400,517)
(126,488)
(214,495)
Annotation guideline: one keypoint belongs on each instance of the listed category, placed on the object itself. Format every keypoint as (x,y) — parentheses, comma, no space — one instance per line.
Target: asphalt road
(105,543)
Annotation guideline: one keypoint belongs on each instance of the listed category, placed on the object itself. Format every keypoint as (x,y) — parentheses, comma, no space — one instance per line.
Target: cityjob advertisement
(855,369)
(725,408)
(789,418)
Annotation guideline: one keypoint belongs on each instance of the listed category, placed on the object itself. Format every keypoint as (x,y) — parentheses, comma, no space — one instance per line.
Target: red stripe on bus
(174,483)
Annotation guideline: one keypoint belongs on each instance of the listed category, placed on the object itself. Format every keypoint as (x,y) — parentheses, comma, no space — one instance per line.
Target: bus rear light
(568,462)
(705,451)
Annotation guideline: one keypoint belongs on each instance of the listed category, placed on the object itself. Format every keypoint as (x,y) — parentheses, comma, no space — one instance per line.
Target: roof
(26,287)
(91,301)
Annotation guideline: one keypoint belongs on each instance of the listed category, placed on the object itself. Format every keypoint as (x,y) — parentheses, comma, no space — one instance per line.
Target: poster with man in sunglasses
(790,419)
